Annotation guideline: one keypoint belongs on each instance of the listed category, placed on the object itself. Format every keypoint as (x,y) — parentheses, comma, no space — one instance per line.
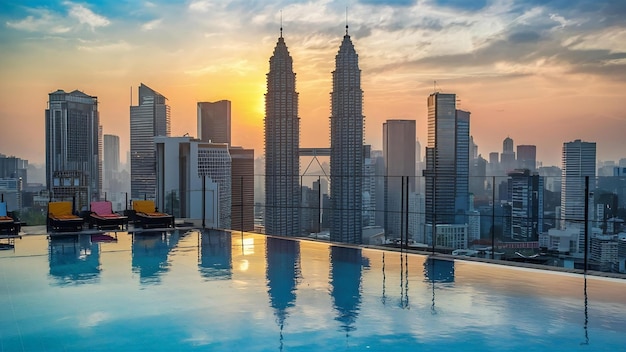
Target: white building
(182,165)
(417,217)
(449,235)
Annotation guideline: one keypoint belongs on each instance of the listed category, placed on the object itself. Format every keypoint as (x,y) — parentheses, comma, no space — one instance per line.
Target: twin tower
(282,143)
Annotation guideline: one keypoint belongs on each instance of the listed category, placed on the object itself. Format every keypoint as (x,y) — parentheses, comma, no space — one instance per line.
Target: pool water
(217,291)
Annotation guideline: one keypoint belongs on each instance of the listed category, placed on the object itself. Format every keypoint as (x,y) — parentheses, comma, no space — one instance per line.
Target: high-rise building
(369,187)
(447,161)
(242,189)
(526,199)
(527,157)
(399,152)
(148,119)
(111,158)
(72,147)
(507,159)
(190,172)
(282,143)
(346,146)
(214,121)
(579,161)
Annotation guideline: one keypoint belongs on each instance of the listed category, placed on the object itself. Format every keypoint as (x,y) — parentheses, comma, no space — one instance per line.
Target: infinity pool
(221,292)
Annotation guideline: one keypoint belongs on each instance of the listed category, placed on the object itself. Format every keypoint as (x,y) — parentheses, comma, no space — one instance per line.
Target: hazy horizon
(542,74)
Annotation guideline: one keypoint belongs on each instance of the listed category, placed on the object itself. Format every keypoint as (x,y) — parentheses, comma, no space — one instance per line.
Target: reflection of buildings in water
(438,271)
(282,274)
(586,325)
(345,282)
(74,259)
(215,255)
(150,251)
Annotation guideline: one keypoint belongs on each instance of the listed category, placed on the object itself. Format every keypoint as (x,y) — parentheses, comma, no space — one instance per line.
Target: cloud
(200,5)
(41,21)
(104,47)
(49,22)
(148,26)
(86,16)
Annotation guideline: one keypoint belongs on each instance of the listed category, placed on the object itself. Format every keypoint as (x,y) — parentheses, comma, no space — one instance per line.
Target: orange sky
(537,73)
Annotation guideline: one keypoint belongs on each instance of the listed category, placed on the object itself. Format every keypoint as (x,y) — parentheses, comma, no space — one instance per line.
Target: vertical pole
(586,221)
(241,199)
(319,204)
(493,216)
(203,201)
(401,218)
(406,213)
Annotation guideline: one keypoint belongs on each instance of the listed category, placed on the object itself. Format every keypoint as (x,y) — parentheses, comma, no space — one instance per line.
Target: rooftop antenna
(346,20)
(281,23)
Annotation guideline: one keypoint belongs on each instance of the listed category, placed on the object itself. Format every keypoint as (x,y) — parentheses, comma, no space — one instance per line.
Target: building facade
(447,161)
(526,199)
(148,119)
(579,161)
(282,143)
(242,189)
(72,147)
(188,172)
(399,150)
(214,121)
(346,146)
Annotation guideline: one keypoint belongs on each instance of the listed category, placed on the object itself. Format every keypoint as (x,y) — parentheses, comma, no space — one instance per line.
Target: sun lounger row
(8,225)
(62,218)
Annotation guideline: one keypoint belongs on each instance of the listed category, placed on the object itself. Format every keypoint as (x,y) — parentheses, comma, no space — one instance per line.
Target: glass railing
(575,224)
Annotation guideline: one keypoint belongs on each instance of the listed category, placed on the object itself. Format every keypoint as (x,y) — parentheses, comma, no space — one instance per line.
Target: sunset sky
(540,72)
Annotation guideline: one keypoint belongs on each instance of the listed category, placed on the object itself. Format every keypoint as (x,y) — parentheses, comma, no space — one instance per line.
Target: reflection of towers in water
(150,253)
(438,271)
(215,255)
(345,282)
(282,274)
(74,260)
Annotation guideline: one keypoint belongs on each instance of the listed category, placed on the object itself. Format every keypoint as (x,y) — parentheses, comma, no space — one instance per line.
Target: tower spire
(281,23)
(346,20)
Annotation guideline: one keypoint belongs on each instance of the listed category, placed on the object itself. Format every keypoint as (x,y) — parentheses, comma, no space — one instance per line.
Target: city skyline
(515,65)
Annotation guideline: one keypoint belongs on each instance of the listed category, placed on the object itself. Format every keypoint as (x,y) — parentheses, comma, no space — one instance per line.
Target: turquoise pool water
(222,292)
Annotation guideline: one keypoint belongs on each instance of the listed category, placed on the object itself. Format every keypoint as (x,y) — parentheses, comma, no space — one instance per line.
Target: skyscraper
(507,159)
(214,121)
(242,189)
(399,151)
(72,147)
(346,146)
(579,161)
(447,161)
(527,157)
(282,143)
(111,158)
(526,199)
(150,118)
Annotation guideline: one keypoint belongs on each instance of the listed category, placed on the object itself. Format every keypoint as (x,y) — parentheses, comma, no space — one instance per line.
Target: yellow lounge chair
(147,216)
(61,218)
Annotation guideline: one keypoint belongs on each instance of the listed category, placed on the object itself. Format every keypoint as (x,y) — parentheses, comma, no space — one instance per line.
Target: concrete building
(242,188)
(447,161)
(507,158)
(399,152)
(346,146)
(73,159)
(526,199)
(182,165)
(148,119)
(527,157)
(282,143)
(369,187)
(579,162)
(214,121)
